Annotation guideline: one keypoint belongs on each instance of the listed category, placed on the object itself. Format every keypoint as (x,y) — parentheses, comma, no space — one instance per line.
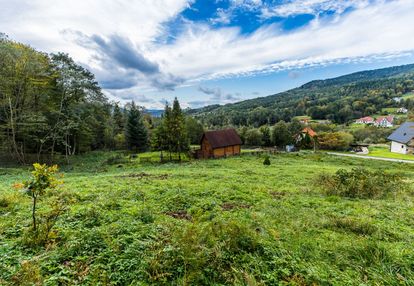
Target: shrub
(361,183)
(253,137)
(371,134)
(43,180)
(266,161)
(146,216)
(4,202)
(335,140)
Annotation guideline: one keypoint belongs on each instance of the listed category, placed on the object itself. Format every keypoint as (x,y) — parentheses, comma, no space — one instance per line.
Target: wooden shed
(220,143)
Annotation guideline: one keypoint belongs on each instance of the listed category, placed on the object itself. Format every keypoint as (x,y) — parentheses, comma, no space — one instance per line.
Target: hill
(338,99)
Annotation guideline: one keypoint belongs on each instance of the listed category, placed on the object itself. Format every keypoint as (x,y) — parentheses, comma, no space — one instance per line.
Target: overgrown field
(214,222)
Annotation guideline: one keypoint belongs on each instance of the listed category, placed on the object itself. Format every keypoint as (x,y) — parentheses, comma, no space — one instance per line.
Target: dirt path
(372,158)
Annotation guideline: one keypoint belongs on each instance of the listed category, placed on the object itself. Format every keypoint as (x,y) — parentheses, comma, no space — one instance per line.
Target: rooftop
(404,133)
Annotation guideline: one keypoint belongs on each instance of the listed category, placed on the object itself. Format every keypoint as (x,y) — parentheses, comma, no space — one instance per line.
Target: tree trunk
(34,212)
(13,131)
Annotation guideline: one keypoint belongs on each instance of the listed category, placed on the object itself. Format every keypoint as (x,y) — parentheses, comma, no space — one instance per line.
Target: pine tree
(178,130)
(136,134)
(167,133)
(118,119)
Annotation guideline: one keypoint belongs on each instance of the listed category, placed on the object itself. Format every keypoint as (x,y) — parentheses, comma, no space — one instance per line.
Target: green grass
(384,152)
(408,95)
(390,110)
(210,222)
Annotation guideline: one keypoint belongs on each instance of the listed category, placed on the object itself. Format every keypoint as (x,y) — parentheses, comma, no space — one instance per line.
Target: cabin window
(402,146)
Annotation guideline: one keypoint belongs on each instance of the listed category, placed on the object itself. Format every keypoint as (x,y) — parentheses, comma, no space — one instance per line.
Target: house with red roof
(384,121)
(306,138)
(365,120)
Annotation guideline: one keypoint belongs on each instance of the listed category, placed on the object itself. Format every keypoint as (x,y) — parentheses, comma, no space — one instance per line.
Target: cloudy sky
(214,51)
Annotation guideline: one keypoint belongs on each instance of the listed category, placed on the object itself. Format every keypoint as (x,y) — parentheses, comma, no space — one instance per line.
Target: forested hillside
(49,104)
(52,107)
(339,99)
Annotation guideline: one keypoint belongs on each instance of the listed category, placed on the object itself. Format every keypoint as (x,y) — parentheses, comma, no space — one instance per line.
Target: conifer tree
(136,134)
(178,131)
(118,119)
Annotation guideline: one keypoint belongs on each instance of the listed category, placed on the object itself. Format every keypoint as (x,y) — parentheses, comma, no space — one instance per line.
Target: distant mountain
(155,112)
(338,99)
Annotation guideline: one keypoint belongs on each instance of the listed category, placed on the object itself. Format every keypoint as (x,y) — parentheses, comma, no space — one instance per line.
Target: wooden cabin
(220,143)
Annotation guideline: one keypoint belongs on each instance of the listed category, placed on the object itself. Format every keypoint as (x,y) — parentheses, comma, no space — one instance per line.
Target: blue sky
(218,51)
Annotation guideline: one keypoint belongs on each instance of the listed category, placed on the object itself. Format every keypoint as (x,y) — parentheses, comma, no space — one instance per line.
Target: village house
(384,121)
(365,120)
(402,139)
(402,110)
(397,99)
(306,138)
(220,143)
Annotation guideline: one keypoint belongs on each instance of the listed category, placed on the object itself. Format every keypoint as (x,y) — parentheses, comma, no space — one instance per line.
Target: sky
(214,52)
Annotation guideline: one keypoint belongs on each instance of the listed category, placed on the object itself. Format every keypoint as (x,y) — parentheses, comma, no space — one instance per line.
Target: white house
(402,110)
(384,121)
(397,99)
(402,139)
(365,120)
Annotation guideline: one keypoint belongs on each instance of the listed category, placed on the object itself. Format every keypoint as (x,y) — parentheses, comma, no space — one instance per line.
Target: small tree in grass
(43,180)
(266,161)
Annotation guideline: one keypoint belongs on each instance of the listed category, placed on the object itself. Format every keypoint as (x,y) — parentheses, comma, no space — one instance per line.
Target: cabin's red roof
(366,118)
(222,138)
(309,131)
(390,119)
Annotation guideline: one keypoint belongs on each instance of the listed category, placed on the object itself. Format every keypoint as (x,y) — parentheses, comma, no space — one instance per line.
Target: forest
(51,106)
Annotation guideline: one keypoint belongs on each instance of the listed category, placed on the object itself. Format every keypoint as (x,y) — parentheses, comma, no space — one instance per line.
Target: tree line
(50,106)
(338,100)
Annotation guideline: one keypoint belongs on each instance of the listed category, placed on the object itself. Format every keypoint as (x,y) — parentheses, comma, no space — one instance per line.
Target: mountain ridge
(380,84)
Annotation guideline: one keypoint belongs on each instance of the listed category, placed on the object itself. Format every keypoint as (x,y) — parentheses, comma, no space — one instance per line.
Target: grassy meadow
(384,152)
(210,222)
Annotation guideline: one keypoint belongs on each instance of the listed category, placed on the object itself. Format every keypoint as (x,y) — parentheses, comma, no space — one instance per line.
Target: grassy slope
(384,152)
(249,223)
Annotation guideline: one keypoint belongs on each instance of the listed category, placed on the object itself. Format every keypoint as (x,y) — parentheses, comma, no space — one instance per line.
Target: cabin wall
(219,152)
(400,148)
(226,151)
(206,150)
(236,149)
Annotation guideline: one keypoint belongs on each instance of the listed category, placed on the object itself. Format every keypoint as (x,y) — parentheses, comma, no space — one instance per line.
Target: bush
(146,216)
(361,183)
(266,161)
(253,137)
(371,134)
(335,140)
(4,202)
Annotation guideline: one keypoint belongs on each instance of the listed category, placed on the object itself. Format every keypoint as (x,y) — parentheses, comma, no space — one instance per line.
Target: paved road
(371,158)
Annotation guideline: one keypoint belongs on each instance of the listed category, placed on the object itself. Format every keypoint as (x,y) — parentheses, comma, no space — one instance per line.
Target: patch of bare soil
(277,195)
(182,214)
(229,206)
(143,175)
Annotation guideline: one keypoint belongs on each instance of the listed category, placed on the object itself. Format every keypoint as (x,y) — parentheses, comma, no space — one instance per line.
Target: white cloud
(380,29)
(41,22)
(201,52)
(296,7)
